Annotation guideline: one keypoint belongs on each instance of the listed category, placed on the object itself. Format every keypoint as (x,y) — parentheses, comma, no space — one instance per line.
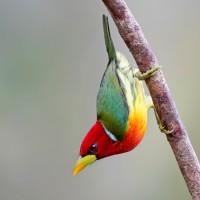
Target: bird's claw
(161,127)
(147,74)
(163,130)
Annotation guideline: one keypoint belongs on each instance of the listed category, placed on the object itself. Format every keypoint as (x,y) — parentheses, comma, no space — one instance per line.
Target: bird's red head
(96,145)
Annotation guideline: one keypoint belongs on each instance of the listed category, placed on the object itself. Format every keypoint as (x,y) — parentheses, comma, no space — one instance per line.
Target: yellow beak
(82,162)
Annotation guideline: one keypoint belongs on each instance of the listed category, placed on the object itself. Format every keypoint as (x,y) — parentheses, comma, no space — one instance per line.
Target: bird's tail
(108,40)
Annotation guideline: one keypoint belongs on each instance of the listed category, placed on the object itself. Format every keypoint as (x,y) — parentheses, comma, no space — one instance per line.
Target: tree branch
(135,40)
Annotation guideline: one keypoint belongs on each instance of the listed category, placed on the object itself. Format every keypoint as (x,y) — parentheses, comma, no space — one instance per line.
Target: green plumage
(108,40)
(112,108)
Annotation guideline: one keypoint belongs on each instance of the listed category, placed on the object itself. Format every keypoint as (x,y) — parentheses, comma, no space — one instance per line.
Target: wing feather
(112,108)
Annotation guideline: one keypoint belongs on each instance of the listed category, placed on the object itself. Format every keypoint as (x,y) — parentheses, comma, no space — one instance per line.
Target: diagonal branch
(135,40)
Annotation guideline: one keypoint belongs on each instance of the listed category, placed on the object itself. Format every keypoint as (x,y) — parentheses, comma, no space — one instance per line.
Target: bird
(122,109)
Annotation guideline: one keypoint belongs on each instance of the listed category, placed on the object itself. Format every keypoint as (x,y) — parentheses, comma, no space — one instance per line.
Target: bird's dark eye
(93,149)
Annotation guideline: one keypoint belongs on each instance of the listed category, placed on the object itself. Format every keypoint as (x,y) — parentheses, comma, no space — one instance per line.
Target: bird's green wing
(112,108)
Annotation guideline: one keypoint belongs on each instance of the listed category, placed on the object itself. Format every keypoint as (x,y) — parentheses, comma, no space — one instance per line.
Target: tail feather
(108,40)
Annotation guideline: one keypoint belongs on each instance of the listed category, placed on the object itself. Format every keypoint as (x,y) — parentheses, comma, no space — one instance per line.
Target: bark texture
(135,40)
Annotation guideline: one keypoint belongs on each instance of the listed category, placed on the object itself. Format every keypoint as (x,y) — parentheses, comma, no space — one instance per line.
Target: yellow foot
(161,127)
(147,74)
(163,130)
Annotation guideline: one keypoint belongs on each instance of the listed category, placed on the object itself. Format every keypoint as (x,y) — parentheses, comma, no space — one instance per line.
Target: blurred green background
(52,57)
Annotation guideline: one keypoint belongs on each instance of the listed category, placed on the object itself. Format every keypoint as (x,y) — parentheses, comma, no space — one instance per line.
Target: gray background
(52,57)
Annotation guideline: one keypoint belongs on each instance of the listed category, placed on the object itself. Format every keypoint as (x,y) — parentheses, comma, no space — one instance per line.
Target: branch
(135,40)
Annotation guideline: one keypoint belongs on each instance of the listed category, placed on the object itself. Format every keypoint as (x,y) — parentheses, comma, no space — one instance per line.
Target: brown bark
(135,40)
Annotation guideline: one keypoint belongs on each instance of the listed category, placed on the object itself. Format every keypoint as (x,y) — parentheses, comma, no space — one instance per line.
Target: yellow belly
(137,122)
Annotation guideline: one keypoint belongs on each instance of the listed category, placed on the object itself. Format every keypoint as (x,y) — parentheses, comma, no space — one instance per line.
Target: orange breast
(136,128)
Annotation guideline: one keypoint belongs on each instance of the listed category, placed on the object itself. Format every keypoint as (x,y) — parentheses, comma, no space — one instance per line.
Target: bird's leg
(147,74)
(161,127)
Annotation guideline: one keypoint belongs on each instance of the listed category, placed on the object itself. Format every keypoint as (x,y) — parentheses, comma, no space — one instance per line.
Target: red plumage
(98,142)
